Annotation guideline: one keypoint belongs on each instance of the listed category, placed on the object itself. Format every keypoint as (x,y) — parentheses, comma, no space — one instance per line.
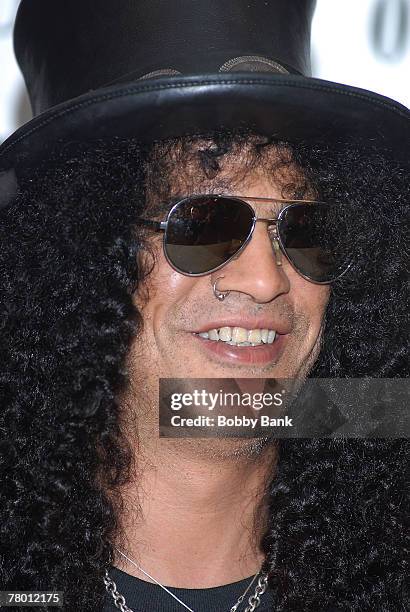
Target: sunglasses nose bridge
(256,273)
(271,227)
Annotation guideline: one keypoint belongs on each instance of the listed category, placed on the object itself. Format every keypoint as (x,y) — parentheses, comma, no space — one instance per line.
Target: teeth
(271,336)
(213,334)
(225,334)
(239,336)
(254,336)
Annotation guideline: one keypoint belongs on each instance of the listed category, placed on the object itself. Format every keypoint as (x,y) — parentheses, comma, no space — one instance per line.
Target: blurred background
(365,43)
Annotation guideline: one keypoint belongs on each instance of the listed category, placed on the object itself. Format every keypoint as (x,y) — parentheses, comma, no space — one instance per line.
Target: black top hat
(164,68)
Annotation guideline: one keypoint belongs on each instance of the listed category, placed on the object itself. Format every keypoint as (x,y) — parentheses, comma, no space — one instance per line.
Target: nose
(255,271)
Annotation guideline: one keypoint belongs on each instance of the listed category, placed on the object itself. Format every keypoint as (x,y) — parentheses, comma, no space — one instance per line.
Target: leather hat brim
(291,108)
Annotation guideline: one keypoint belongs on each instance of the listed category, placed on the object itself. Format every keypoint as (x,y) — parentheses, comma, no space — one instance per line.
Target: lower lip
(261,354)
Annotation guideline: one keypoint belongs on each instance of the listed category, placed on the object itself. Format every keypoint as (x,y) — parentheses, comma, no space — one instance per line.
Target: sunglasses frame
(276,238)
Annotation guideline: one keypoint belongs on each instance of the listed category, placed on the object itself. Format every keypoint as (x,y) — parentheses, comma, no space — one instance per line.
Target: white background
(365,43)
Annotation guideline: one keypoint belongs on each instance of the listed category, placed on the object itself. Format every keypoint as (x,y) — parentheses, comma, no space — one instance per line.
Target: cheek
(170,286)
(317,300)
(162,290)
(310,302)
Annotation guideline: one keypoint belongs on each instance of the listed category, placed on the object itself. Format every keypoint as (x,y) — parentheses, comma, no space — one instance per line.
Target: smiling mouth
(240,336)
(237,351)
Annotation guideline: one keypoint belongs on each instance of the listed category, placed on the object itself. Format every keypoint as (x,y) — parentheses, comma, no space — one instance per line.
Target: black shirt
(143,596)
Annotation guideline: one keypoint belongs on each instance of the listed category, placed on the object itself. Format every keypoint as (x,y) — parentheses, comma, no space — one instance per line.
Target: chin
(224,448)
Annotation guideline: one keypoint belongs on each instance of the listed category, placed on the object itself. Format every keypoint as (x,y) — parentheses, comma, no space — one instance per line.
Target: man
(98,306)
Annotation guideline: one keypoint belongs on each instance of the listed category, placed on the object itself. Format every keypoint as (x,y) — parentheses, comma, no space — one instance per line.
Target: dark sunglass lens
(308,244)
(203,232)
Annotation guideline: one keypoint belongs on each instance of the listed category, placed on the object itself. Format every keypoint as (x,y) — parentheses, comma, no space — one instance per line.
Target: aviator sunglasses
(202,233)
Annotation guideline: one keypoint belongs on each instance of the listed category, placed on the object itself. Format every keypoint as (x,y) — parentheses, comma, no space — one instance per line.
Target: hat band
(253,63)
(242,63)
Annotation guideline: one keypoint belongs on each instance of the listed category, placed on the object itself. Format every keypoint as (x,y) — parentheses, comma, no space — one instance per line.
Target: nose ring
(220,295)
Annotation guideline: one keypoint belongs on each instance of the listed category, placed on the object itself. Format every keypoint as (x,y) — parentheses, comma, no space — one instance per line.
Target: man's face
(263,295)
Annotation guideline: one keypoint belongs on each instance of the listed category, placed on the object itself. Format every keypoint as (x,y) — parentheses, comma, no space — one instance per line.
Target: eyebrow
(288,200)
(276,204)
(163,207)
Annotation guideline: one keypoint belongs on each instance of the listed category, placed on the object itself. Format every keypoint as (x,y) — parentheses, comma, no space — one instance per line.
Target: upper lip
(282,327)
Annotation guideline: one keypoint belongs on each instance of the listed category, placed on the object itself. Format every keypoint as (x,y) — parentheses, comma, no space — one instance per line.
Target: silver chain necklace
(119,600)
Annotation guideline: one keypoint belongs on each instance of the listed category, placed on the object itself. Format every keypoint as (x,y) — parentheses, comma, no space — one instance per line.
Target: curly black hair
(69,266)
